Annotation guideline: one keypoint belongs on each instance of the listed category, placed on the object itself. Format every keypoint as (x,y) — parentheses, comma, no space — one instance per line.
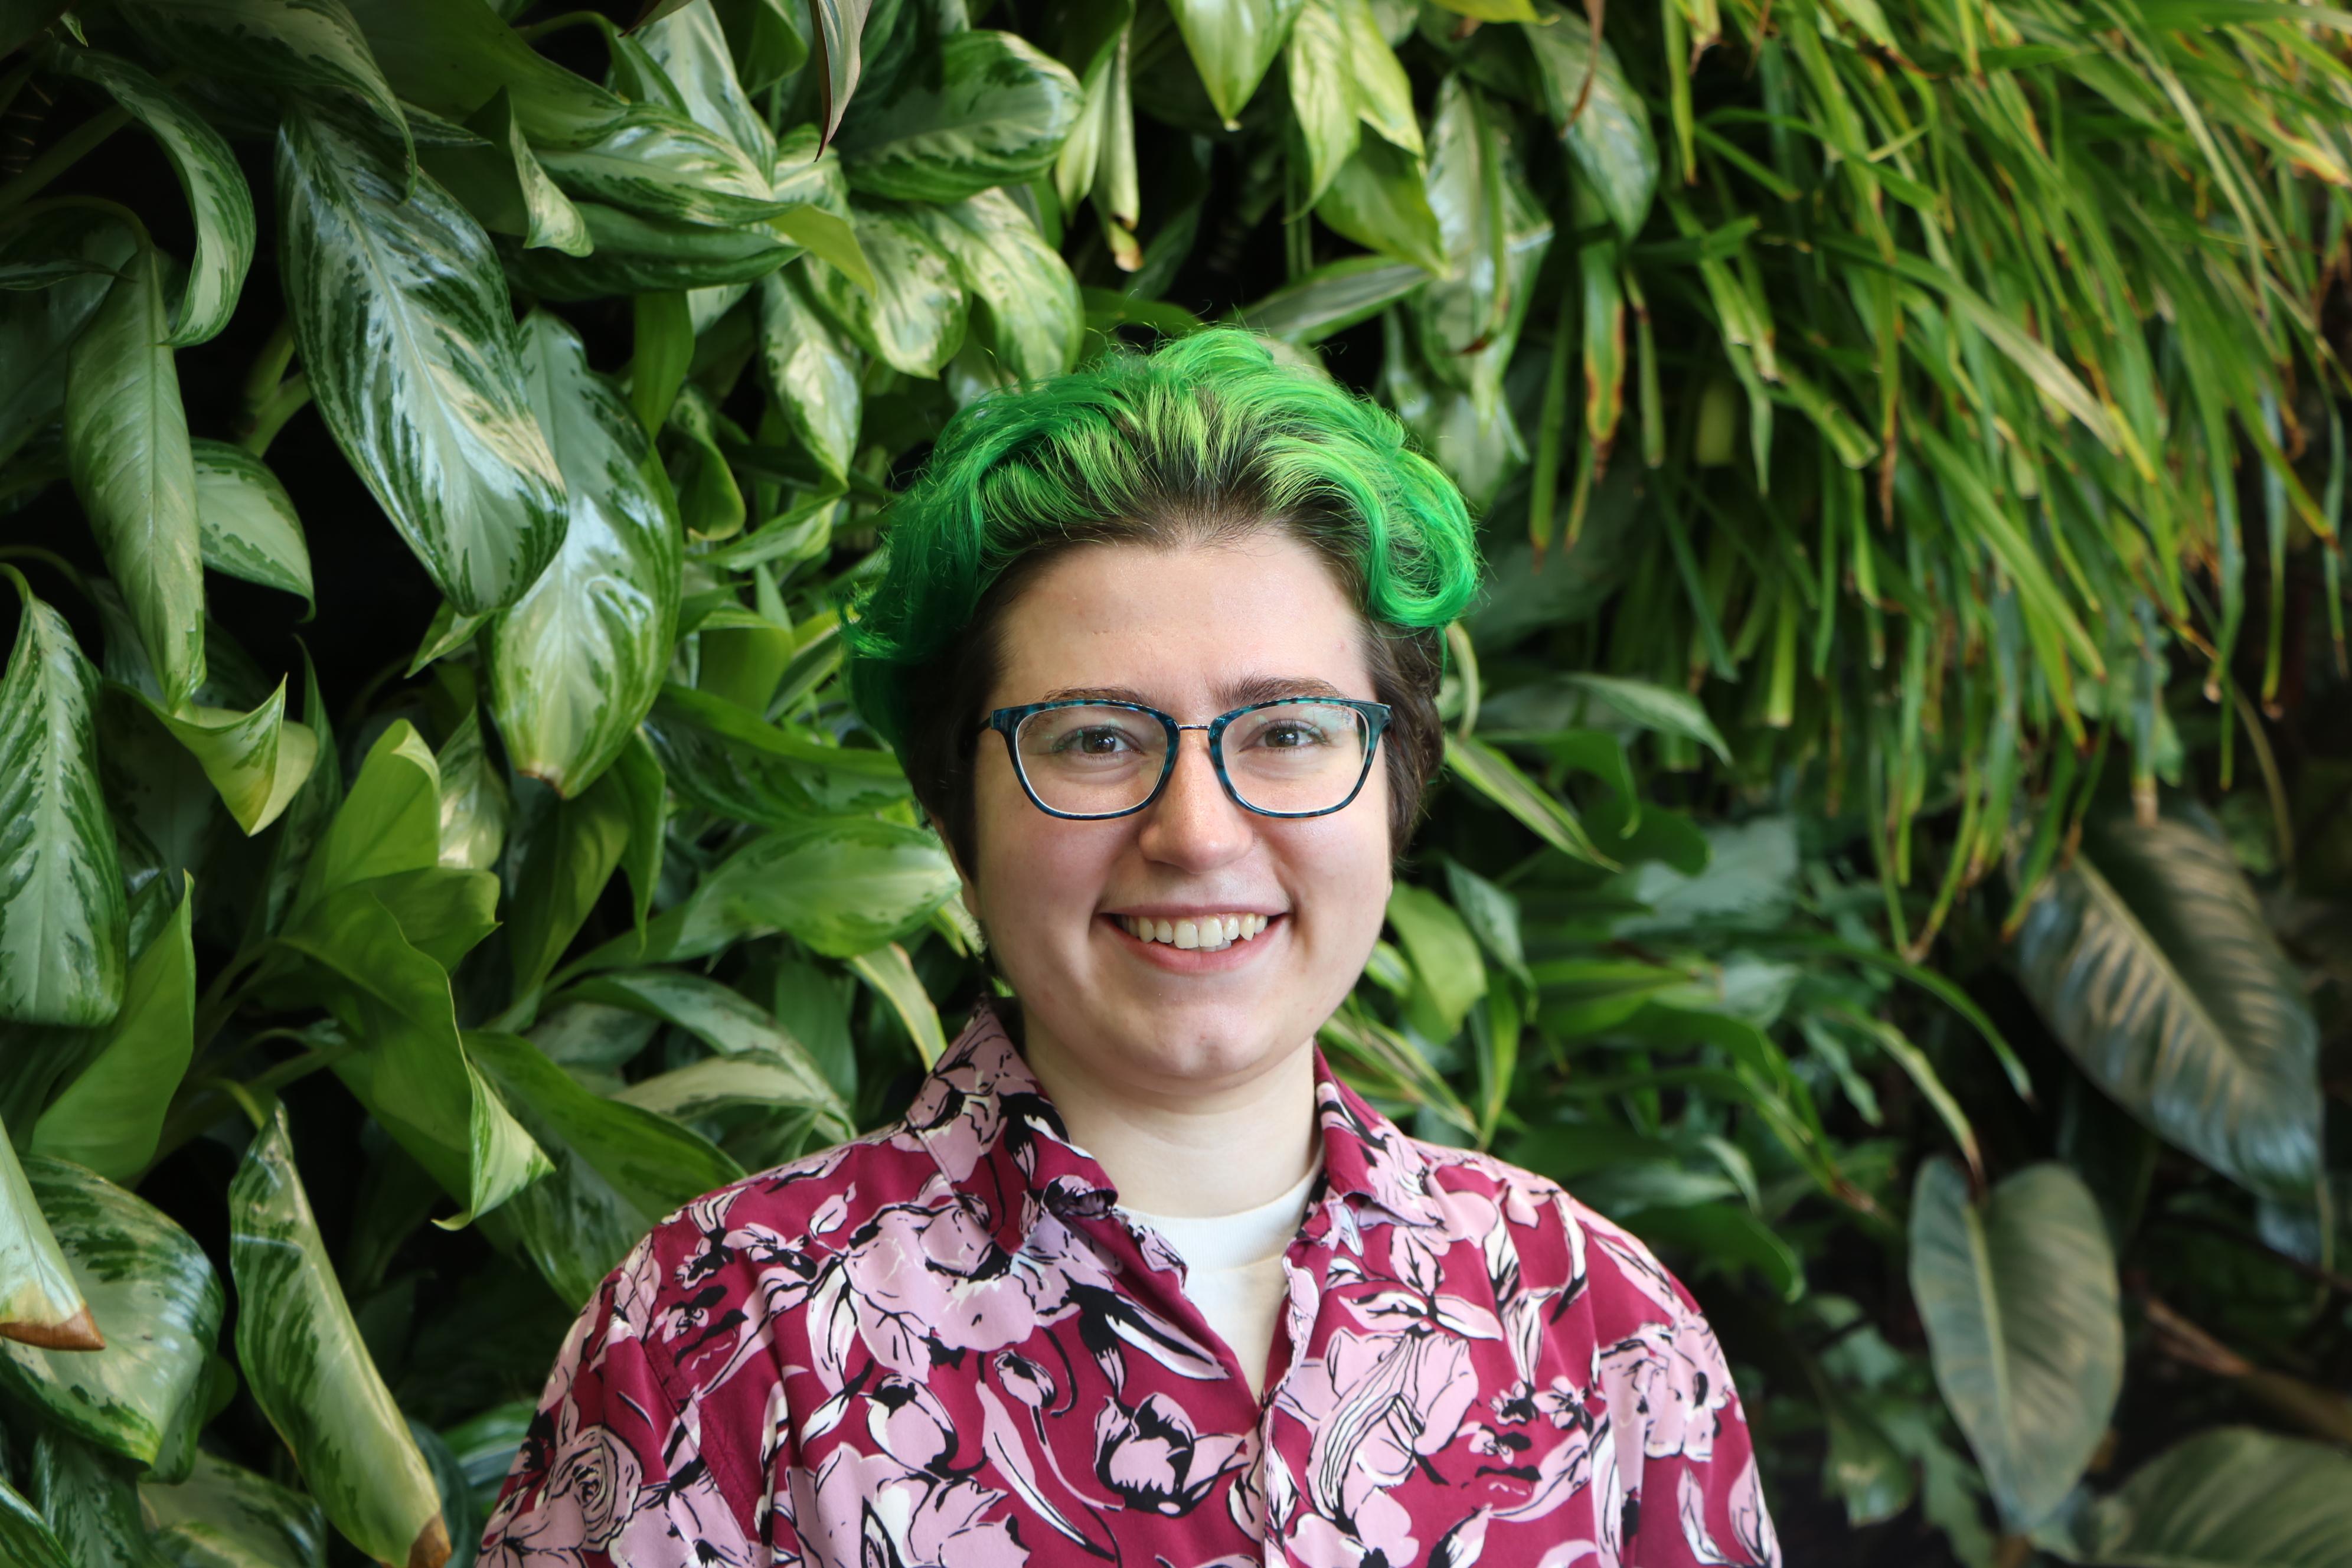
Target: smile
(1209,934)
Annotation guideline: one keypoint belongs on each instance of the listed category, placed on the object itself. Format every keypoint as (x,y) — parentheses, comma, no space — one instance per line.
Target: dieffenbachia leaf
(1233,42)
(473,802)
(716,1014)
(2020,1303)
(39,1303)
(1029,311)
(245,522)
(38,327)
(835,58)
(992,109)
(812,369)
(727,760)
(154,1296)
(225,1516)
(256,759)
(127,448)
(90,1499)
(401,314)
(753,1078)
(634,254)
(2229,1497)
(656,162)
(576,662)
(63,920)
(218,198)
(565,853)
(310,1370)
(891,974)
(690,47)
(25,1536)
(390,822)
(108,1116)
(914,319)
(842,886)
(618,1168)
(502,183)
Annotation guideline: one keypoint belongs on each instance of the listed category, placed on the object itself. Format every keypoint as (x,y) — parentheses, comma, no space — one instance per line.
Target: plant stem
(269,365)
(70,149)
(270,417)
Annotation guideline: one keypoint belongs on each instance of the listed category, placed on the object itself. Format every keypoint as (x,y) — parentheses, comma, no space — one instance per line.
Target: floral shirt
(941,1346)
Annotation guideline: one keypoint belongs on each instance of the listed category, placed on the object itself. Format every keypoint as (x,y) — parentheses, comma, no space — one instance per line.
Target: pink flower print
(918,1277)
(1676,1382)
(859,1510)
(1377,1404)
(1382,1537)
(908,1423)
(591,1489)
(1751,1527)
(1023,1379)
(955,1117)
(1151,1457)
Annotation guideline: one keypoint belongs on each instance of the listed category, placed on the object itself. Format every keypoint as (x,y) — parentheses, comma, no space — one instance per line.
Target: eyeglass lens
(1090,761)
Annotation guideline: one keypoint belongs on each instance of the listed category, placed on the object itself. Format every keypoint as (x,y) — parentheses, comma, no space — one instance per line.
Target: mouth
(1202,943)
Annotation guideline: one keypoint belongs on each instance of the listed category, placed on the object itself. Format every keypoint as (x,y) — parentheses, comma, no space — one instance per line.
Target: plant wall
(1891,849)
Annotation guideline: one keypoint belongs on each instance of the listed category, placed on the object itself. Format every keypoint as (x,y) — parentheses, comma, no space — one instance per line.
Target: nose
(1194,825)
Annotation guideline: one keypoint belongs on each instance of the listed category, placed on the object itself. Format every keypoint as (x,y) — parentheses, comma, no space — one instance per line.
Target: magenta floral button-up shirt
(942,1347)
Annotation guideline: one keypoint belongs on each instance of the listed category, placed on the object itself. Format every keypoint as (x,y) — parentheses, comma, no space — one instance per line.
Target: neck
(1188,1151)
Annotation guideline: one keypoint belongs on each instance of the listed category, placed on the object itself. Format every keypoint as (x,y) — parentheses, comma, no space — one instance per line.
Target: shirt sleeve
(612,1470)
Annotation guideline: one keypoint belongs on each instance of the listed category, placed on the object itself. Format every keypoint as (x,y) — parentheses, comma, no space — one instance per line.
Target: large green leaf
(312,45)
(502,183)
(473,803)
(1316,64)
(565,853)
(843,886)
(25,1536)
(108,1116)
(992,109)
(218,198)
(914,317)
(578,660)
(63,922)
(2150,957)
(38,326)
(724,760)
(127,447)
(2019,1299)
(634,254)
(452,57)
(401,314)
(811,371)
(1449,973)
(835,58)
(1233,42)
(157,1301)
(1495,233)
(39,1303)
(653,161)
(716,1083)
(618,1168)
(1610,133)
(690,47)
(892,975)
(1027,308)
(1379,197)
(2232,1497)
(718,1014)
(245,522)
(256,760)
(390,822)
(92,1500)
(1498,778)
(309,1371)
(225,1516)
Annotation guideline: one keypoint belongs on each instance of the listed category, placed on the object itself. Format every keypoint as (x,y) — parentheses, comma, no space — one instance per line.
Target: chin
(1204,1044)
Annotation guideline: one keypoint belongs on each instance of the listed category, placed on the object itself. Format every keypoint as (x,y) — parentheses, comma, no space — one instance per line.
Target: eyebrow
(1233,694)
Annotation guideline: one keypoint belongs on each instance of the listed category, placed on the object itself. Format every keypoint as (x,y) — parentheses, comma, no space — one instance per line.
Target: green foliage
(1883,425)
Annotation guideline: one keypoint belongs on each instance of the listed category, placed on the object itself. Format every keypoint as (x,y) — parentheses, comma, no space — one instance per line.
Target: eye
(1093,741)
(1290,734)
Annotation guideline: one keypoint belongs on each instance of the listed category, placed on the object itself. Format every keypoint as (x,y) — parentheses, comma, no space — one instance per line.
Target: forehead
(1186,622)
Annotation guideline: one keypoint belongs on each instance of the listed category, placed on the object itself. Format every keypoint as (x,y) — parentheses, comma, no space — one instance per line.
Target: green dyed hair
(1211,437)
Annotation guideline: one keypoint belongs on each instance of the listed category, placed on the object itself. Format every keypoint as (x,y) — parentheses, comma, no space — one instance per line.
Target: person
(1137,1280)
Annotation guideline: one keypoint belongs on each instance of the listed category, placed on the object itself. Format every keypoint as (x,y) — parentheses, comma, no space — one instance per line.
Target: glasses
(1295,756)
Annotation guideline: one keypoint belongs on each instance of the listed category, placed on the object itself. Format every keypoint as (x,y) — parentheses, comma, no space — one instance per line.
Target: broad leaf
(256,760)
(90,1499)
(310,1372)
(811,371)
(38,326)
(389,822)
(312,45)
(39,1303)
(835,58)
(1026,302)
(225,1516)
(654,161)
(1233,42)
(502,183)
(1495,233)
(716,1083)
(892,975)
(246,522)
(914,319)
(720,1016)
(452,57)
(1316,62)
(1333,297)
(2231,1497)
(2150,959)
(1379,197)
(402,318)
(1498,778)
(842,886)
(63,922)
(1449,973)
(25,1536)
(724,760)
(634,254)
(1610,135)
(152,1295)
(473,803)
(2019,1299)
(643,790)
(690,48)
(990,109)
(127,447)
(619,1168)
(578,660)
(108,1116)
(565,853)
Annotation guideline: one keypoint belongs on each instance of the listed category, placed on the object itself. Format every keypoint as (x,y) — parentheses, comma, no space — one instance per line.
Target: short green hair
(1210,437)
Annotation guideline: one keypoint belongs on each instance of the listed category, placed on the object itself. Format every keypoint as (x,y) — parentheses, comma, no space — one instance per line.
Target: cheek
(1033,875)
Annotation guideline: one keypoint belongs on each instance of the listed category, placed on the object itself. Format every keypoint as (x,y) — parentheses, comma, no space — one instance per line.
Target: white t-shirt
(1233,1269)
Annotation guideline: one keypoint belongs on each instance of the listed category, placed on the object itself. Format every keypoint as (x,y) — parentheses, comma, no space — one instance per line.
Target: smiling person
(1137,1280)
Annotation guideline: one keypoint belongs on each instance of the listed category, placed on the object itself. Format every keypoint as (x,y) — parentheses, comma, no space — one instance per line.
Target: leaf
(2150,958)
(473,803)
(1026,302)
(63,920)
(151,1293)
(892,975)
(2019,1301)
(1233,42)
(25,1536)
(2229,1496)
(403,323)
(246,522)
(914,321)
(1467,323)
(637,779)
(618,1168)
(716,1083)
(316,44)
(810,371)
(127,448)
(632,254)
(718,1015)
(992,109)
(502,183)
(309,1371)
(1318,66)
(40,1304)
(38,327)
(842,886)
(389,822)
(653,161)
(565,852)
(1332,298)
(90,1500)
(108,1116)
(690,47)
(452,57)
(1498,778)
(224,1516)
(1448,972)
(834,57)
(576,662)
(722,759)
(1643,704)
(1380,199)
(1609,136)
(1727,1237)
(219,199)
(256,760)
(1493,916)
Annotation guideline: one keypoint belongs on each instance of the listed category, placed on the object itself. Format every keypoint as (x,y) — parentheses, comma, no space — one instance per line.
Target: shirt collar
(997,1139)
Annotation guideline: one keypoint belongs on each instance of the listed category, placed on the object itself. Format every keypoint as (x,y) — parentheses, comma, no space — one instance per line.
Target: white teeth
(1209,934)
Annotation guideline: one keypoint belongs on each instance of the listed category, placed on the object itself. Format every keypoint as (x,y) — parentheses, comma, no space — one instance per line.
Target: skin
(1189,1074)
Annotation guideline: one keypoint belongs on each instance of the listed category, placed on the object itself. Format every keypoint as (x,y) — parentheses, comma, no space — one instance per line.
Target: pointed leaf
(127,447)
(2231,1497)
(246,522)
(842,886)
(578,660)
(90,1499)
(502,183)
(718,1015)
(38,327)
(63,922)
(690,47)
(2019,1301)
(1318,62)
(401,315)
(109,1117)
(474,804)
(225,1516)
(315,45)
(1028,308)
(256,760)
(25,1536)
(1449,973)
(151,1293)
(654,161)
(1498,778)
(390,822)
(835,58)
(723,760)
(990,109)
(309,1371)
(1609,135)
(716,1083)
(915,318)
(39,1303)
(1333,297)
(560,862)
(812,369)
(1233,42)
(1379,198)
